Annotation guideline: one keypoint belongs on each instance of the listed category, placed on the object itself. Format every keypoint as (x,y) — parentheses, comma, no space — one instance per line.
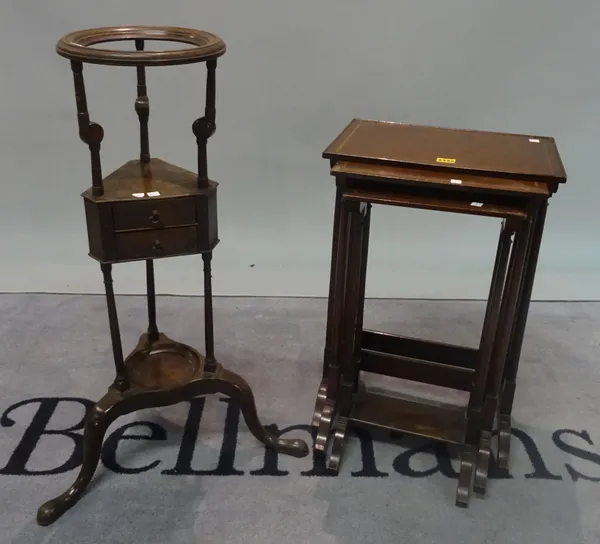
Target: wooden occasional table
(146,210)
(507,176)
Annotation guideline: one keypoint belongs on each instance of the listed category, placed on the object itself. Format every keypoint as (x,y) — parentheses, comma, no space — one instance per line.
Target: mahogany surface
(507,176)
(151,210)
(438,178)
(145,210)
(76,46)
(525,156)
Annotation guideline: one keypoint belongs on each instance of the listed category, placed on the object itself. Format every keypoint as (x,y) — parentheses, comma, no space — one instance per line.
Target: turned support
(121,379)
(205,127)
(142,107)
(209,334)
(151,298)
(90,133)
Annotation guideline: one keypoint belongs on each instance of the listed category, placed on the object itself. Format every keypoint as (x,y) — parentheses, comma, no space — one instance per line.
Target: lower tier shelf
(439,422)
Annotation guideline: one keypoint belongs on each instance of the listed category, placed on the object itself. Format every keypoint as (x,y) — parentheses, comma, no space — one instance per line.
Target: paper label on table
(477,204)
(153,193)
(534,140)
(138,195)
(456,181)
(445,160)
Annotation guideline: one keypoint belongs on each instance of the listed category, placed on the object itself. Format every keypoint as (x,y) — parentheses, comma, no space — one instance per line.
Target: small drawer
(154,244)
(154,214)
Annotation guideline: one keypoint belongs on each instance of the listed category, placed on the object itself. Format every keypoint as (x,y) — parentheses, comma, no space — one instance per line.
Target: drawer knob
(157,246)
(155,217)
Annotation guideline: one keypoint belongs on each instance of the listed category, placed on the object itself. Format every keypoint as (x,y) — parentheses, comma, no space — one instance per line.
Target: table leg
(332,280)
(514,352)
(501,344)
(322,411)
(492,314)
(465,476)
(121,379)
(96,424)
(477,396)
(326,403)
(349,355)
(151,301)
(209,335)
(364,257)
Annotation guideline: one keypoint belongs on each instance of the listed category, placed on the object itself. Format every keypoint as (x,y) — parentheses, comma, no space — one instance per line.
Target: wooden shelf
(391,198)
(439,422)
(157,177)
(455,181)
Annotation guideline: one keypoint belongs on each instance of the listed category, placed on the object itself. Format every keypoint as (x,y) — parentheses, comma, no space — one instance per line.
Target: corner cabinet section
(151,227)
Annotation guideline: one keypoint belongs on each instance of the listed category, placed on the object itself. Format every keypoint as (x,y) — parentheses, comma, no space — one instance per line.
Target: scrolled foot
(320,403)
(324,428)
(237,388)
(338,441)
(465,479)
(504,435)
(483,463)
(291,446)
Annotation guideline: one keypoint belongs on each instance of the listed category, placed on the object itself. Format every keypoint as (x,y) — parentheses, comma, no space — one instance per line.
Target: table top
(496,154)
(435,178)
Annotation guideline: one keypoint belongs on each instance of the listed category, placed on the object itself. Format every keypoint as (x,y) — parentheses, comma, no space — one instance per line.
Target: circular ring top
(76,46)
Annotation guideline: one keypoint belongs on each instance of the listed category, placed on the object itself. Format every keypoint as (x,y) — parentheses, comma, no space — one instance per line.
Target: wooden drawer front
(154,244)
(154,214)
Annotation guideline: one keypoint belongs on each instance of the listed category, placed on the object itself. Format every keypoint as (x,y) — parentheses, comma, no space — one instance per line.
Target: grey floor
(55,353)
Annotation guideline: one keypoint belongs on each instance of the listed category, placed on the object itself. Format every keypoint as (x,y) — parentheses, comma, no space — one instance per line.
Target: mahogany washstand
(146,210)
(507,176)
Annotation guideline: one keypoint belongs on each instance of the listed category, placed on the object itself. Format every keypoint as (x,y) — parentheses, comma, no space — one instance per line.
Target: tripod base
(162,372)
